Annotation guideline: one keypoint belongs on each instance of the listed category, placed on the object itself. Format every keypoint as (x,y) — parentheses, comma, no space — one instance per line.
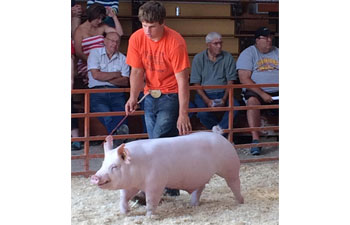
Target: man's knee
(253,101)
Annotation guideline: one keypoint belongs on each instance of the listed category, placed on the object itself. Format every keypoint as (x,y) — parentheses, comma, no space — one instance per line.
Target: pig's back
(205,144)
(208,142)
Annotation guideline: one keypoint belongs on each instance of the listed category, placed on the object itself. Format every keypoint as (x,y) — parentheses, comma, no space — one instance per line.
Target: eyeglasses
(115,41)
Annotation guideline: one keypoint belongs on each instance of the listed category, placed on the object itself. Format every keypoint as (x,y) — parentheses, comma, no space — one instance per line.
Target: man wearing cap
(213,66)
(259,64)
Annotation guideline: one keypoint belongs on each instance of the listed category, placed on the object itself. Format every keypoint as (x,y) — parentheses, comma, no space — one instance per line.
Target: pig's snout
(98,180)
(95,179)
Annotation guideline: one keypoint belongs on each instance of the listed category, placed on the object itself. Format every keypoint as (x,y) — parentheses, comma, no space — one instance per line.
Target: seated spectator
(107,69)
(74,121)
(259,64)
(76,12)
(213,66)
(89,35)
(113,4)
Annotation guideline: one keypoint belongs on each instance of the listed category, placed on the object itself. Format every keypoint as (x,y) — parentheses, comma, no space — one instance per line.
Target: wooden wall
(194,30)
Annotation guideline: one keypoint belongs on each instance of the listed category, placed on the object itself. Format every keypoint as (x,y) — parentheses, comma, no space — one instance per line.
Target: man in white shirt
(107,69)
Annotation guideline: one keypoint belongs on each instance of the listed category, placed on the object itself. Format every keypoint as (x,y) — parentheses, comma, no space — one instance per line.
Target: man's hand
(217,102)
(130,106)
(110,12)
(266,97)
(184,124)
(76,11)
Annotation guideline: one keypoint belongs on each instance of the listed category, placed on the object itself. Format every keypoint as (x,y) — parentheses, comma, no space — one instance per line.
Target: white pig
(184,162)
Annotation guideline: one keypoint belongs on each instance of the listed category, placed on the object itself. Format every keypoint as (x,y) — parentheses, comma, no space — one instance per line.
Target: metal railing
(86,156)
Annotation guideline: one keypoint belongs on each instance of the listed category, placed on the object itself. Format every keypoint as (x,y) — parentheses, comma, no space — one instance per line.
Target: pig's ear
(124,154)
(108,144)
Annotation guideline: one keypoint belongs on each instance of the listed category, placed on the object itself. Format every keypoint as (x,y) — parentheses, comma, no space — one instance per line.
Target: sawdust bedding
(259,183)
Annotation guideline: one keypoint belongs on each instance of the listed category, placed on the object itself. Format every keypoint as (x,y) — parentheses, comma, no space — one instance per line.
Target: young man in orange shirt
(159,55)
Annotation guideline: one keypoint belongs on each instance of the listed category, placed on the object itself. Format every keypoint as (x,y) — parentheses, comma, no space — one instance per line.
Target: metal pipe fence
(86,115)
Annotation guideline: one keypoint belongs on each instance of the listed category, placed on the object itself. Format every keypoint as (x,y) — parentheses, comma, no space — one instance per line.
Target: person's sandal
(76,146)
(255,150)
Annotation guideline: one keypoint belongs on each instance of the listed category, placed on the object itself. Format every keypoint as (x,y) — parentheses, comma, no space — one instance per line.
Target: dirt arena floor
(259,183)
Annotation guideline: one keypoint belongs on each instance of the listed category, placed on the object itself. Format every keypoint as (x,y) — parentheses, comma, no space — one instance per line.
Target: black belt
(103,86)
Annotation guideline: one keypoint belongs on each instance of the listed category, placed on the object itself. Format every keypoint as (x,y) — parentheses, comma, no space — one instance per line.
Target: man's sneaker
(76,146)
(171,192)
(123,129)
(140,198)
(255,150)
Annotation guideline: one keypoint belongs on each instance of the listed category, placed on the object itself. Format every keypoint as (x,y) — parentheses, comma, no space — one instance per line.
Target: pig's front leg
(153,197)
(196,195)
(125,197)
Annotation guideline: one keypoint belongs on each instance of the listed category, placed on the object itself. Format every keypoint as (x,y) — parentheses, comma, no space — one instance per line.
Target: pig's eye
(115,167)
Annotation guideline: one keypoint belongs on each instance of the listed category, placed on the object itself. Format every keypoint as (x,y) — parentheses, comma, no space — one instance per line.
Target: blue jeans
(142,107)
(208,119)
(161,115)
(108,102)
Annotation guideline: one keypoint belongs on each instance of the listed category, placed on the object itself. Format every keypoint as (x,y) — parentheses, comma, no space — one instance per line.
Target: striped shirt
(88,44)
(106,3)
(91,43)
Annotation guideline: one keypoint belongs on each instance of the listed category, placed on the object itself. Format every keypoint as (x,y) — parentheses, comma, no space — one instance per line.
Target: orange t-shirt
(160,60)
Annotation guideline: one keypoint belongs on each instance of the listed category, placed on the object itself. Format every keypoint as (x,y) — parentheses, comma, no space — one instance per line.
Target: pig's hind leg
(125,197)
(230,172)
(196,195)
(235,185)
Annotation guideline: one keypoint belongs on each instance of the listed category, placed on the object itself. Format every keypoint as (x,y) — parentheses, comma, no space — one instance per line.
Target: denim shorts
(248,93)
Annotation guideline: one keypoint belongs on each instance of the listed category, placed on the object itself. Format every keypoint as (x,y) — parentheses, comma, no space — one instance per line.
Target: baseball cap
(262,31)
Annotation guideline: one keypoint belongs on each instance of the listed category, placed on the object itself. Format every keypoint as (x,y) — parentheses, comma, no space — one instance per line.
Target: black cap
(262,31)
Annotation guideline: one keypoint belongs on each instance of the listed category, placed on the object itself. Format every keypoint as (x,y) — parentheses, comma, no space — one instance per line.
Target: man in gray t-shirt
(213,66)
(259,64)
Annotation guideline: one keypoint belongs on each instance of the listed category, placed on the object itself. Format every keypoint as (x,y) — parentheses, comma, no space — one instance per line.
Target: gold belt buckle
(155,93)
